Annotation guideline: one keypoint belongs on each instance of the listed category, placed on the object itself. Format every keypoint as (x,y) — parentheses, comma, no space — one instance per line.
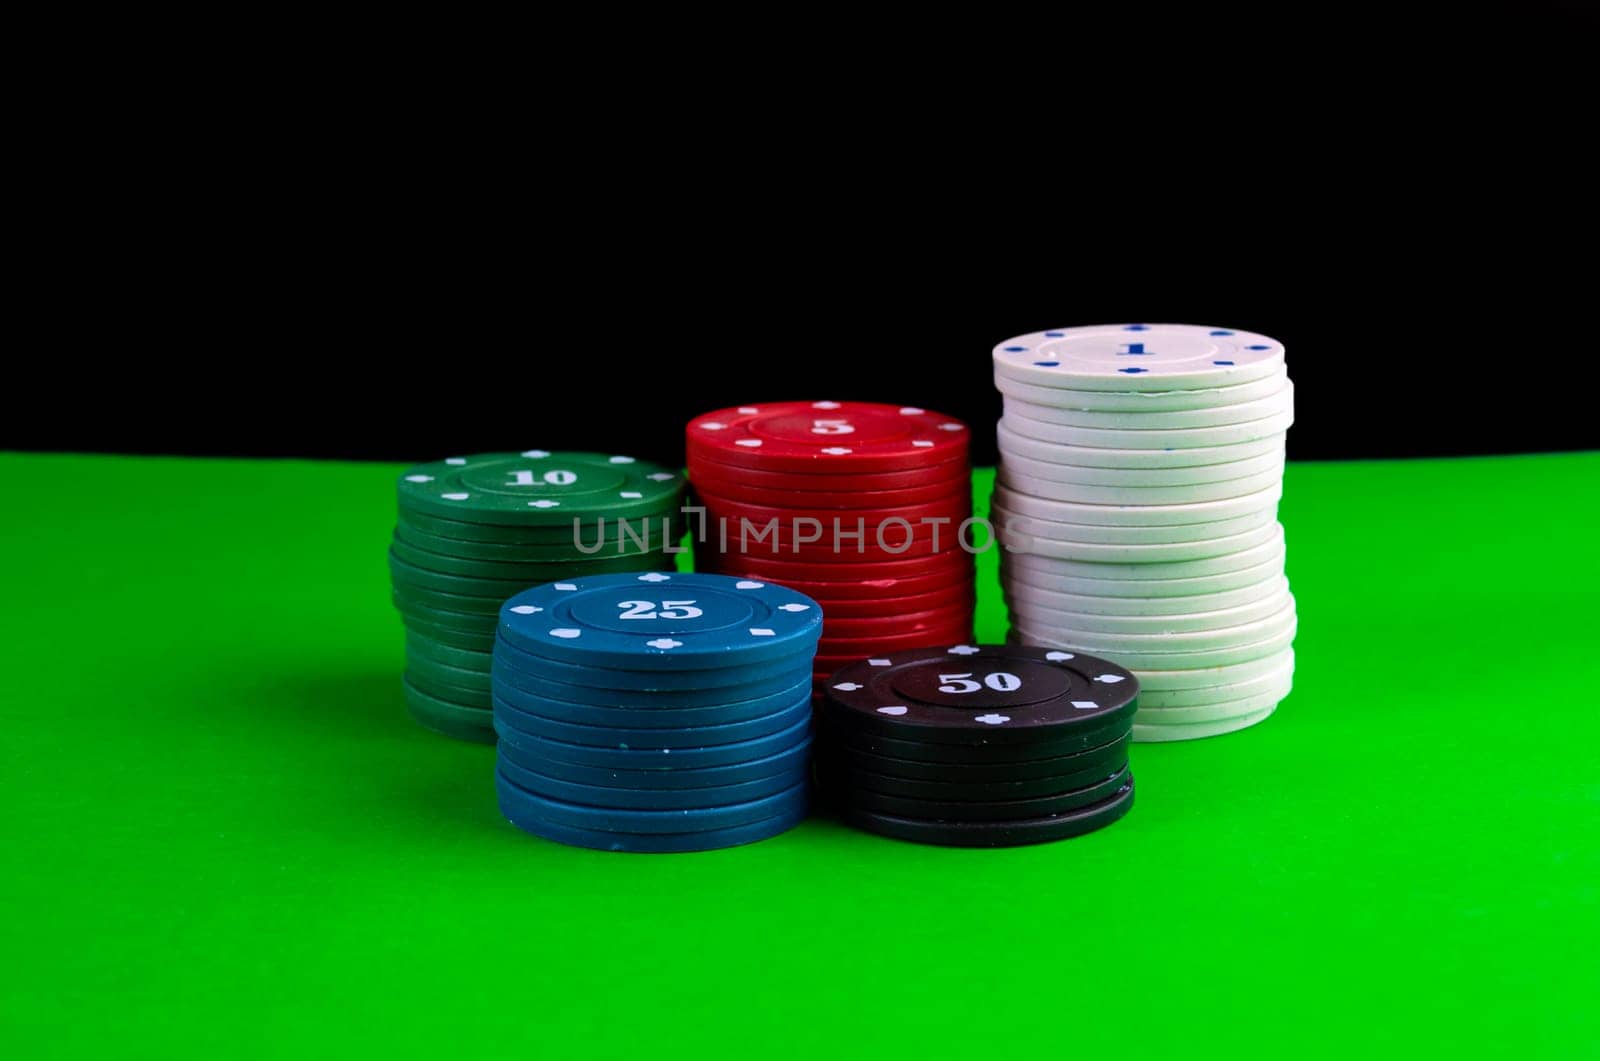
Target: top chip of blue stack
(661,621)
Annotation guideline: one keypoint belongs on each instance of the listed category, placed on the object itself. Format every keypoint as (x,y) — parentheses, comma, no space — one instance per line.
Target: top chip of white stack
(1138,357)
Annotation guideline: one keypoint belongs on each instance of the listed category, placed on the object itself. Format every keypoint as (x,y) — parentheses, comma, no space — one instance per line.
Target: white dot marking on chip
(962,650)
(527,609)
(654,576)
(664,643)
(895,710)
(455,497)
(748,443)
(663,477)
(837,451)
(748,585)
(878,662)
(455,460)
(749,410)
(794,607)
(848,687)
(922,444)
(544,503)
(566,632)
(1059,657)
(419,478)
(1109,679)
(824,405)
(911,410)
(566,587)
(632,495)
(762,631)
(713,425)
(992,720)
(951,427)
(1085,705)
(536,454)
(622,460)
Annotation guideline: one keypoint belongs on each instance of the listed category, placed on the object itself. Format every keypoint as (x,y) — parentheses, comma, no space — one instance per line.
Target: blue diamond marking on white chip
(1136,328)
(1134,350)
(1131,371)
(1222,362)
(1016,349)
(1221,331)
(1047,364)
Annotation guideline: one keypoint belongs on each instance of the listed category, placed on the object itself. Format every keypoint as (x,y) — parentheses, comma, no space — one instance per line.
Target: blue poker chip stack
(656,711)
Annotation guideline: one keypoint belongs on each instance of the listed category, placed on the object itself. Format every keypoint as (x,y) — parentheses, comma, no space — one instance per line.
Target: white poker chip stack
(1137,503)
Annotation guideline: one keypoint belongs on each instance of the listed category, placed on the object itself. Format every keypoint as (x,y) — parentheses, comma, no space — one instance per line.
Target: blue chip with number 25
(662,621)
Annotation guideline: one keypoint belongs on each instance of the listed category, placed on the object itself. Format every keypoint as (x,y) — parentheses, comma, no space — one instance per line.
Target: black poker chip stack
(978,745)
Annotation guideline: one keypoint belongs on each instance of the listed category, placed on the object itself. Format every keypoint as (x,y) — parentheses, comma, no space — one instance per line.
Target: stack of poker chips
(862,507)
(473,531)
(655,712)
(1137,498)
(978,745)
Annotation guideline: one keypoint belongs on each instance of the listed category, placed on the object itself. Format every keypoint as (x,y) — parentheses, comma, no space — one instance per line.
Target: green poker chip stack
(474,531)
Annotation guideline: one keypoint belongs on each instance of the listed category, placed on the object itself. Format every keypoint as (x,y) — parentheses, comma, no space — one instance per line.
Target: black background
(1403,206)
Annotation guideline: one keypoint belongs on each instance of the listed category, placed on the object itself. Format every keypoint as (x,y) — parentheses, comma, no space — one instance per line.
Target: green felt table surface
(224,836)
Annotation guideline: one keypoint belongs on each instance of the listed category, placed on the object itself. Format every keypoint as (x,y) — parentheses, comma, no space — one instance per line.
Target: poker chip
(998,726)
(538,487)
(1163,661)
(645,843)
(1021,569)
(1018,420)
(1071,753)
(661,620)
(1142,553)
(1151,732)
(992,833)
(1195,678)
(650,798)
(1279,679)
(1042,406)
(1136,506)
(472,532)
(1088,493)
(652,711)
(863,494)
(1027,594)
(952,473)
(653,738)
(529,749)
(1163,401)
(1010,527)
(861,507)
(827,437)
(1221,711)
(1138,357)
(1192,475)
(1007,784)
(1163,624)
(1018,809)
(657,716)
(1100,515)
(1132,459)
(794,757)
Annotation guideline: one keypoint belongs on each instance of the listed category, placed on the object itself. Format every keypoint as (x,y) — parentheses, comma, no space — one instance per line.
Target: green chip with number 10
(538,487)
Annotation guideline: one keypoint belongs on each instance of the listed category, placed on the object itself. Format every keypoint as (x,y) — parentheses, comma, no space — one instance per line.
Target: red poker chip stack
(861,507)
